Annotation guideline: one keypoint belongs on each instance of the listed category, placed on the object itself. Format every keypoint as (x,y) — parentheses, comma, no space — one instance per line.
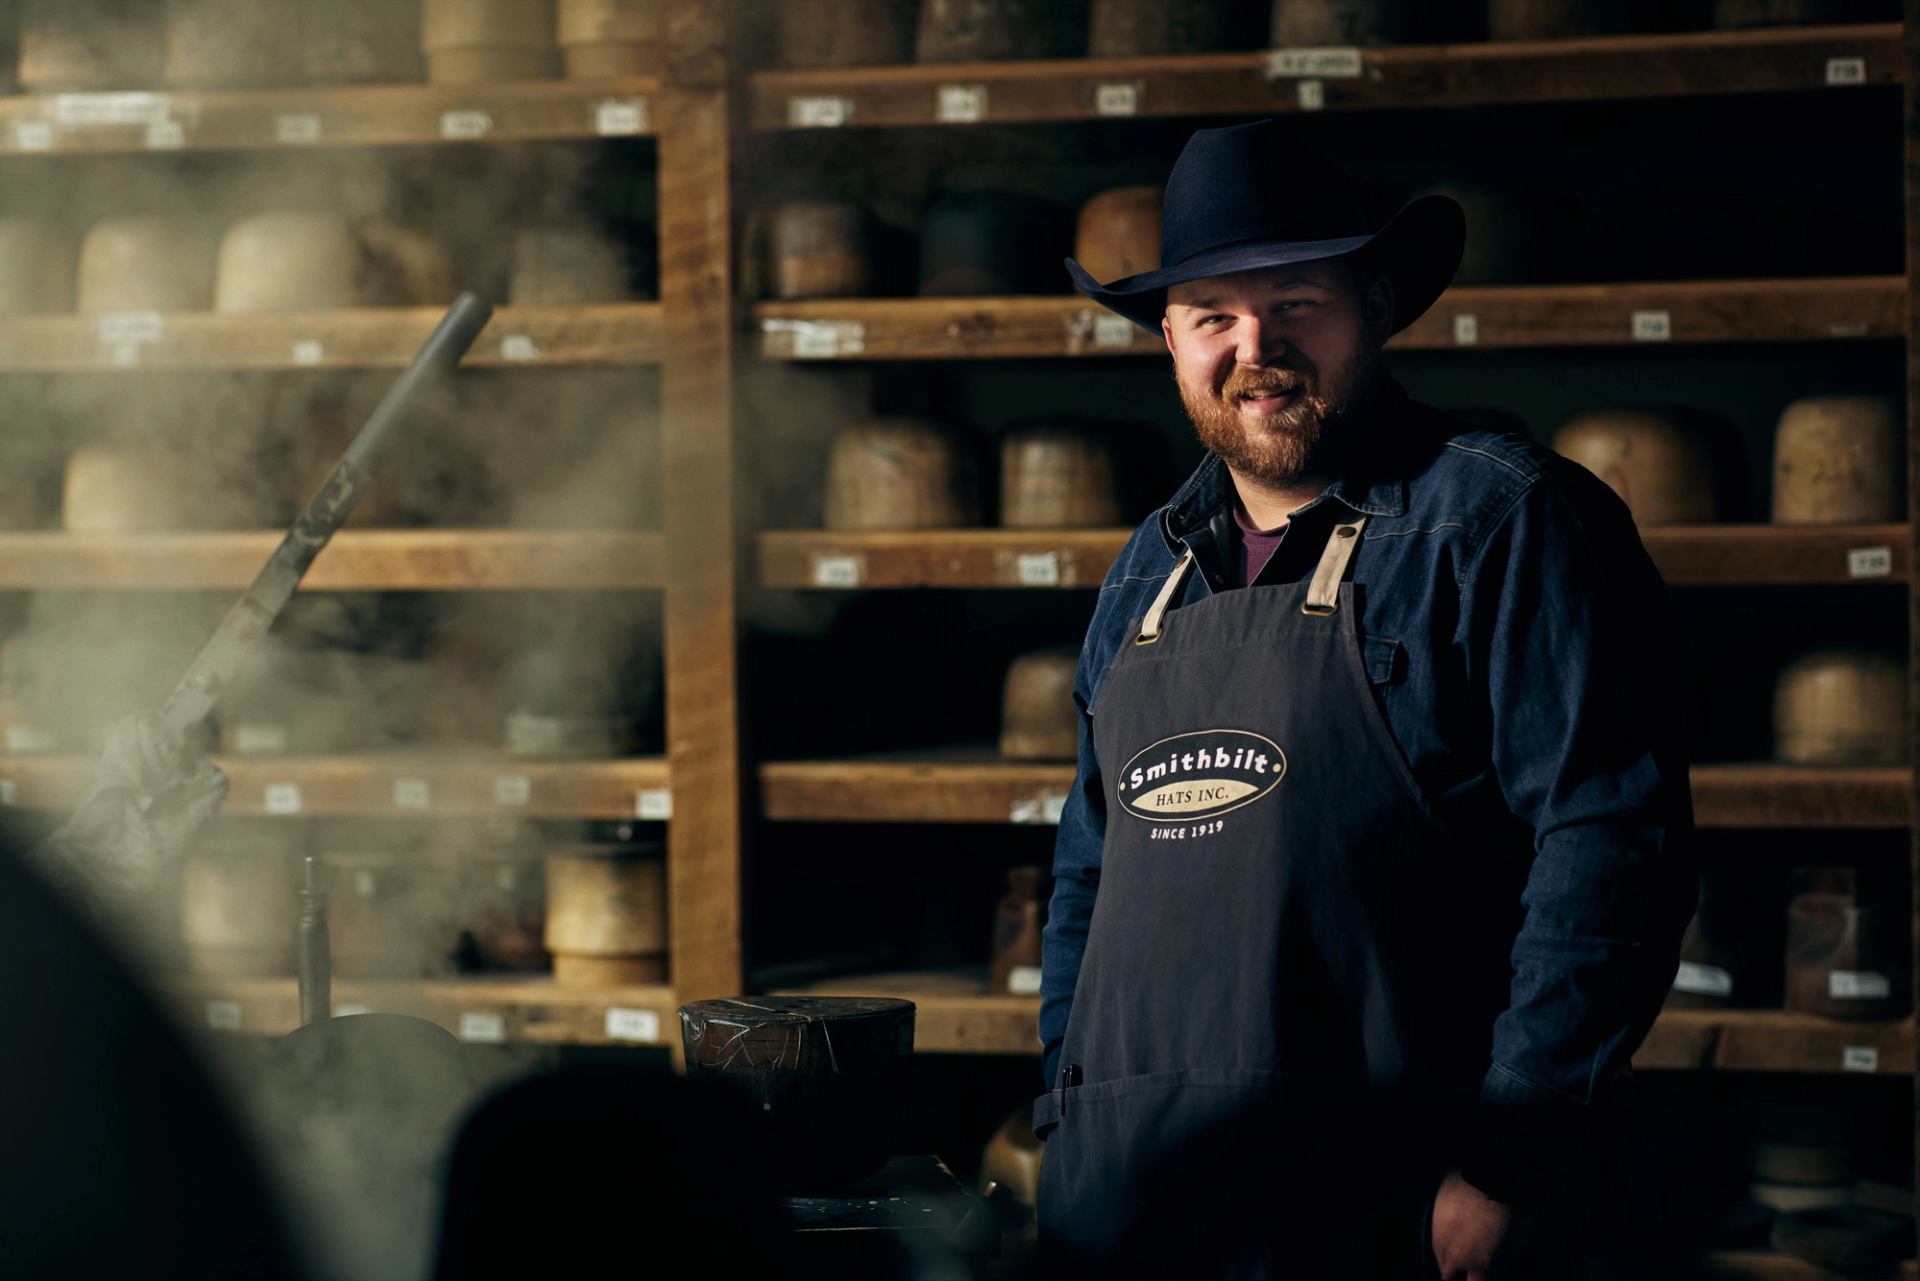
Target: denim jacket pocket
(1386,660)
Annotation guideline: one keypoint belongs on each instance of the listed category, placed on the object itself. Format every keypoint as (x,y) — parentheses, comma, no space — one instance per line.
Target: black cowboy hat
(1248,196)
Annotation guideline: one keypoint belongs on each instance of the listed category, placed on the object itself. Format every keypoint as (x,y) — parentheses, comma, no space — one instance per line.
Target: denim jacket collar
(1372,485)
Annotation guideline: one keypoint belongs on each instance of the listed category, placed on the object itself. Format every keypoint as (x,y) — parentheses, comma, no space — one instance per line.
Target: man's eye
(1213,320)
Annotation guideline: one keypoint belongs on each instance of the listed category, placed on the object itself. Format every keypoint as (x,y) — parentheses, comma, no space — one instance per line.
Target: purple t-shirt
(1257,547)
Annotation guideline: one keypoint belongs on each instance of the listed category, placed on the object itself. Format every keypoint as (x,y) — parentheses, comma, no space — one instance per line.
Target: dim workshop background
(714,634)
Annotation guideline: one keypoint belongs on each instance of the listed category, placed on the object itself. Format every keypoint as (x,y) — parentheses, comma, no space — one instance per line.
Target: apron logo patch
(1198,775)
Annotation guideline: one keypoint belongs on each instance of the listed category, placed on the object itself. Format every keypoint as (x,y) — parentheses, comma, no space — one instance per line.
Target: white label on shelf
(1869,562)
(296,127)
(1042,810)
(1846,71)
(620,118)
(1037,569)
(512,789)
(111,108)
(283,798)
(655,804)
(223,1016)
(412,794)
(836,571)
(1703,980)
(131,326)
(813,339)
(309,352)
(1331,63)
(1311,94)
(9,792)
(1859,1058)
(258,738)
(28,740)
(125,355)
(465,124)
(960,104)
(1024,980)
(33,135)
(166,135)
(483,1029)
(519,348)
(366,884)
(1466,329)
(1112,331)
(1858,985)
(1652,326)
(823,111)
(633,1025)
(1849,329)
(1117,98)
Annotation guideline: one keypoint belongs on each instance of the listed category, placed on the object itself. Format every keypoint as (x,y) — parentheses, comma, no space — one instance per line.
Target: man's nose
(1259,342)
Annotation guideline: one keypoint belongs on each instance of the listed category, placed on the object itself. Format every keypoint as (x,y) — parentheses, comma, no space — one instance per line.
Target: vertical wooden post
(702,550)
(1910,106)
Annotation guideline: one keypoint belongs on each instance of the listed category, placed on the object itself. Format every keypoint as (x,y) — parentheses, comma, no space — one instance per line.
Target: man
(1379,855)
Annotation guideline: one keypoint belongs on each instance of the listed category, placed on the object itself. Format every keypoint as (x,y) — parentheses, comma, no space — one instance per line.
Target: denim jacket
(1519,640)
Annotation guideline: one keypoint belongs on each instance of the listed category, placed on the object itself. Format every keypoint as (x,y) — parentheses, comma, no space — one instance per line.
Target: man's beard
(1310,437)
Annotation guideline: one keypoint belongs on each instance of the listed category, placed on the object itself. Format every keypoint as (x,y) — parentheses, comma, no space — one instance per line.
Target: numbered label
(1859,1058)
(483,1029)
(1466,330)
(412,794)
(309,352)
(1024,980)
(1870,562)
(1333,63)
(819,112)
(1858,985)
(131,327)
(654,804)
(1112,332)
(512,790)
(465,124)
(642,1026)
(82,109)
(1118,98)
(1037,569)
(836,571)
(1652,326)
(960,104)
(223,1016)
(166,135)
(1311,95)
(518,348)
(1846,71)
(297,128)
(283,798)
(1703,980)
(33,135)
(1040,811)
(621,119)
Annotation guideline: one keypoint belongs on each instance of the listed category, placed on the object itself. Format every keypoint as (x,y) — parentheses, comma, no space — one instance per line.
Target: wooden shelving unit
(1690,555)
(1788,59)
(1763,1265)
(1503,316)
(390,784)
(359,116)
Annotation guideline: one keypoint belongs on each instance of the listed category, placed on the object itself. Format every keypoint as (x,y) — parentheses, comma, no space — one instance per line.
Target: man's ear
(1166,331)
(1379,306)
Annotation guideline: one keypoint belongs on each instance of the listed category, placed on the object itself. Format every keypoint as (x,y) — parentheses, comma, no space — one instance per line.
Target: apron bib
(1267,979)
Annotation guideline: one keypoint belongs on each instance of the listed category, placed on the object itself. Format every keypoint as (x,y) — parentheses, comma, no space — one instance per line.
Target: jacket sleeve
(1076,877)
(1569,621)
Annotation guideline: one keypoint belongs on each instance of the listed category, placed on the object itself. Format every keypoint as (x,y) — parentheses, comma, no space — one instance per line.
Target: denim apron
(1269,1012)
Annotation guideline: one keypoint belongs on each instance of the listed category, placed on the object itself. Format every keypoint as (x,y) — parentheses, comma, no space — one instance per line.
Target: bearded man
(1376,865)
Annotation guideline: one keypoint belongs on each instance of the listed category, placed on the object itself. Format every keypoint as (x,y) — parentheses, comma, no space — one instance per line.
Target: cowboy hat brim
(1419,250)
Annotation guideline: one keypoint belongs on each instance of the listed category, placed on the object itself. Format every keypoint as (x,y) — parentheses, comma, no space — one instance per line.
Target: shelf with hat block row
(351,116)
(1420,77)
(390,784)
(984,558)
(1466,316)
(505,1009)
(974,786)
(362,338)
(956,1014)
(356,560)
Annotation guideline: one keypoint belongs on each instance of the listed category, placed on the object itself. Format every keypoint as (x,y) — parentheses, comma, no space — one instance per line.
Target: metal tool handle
(217,662)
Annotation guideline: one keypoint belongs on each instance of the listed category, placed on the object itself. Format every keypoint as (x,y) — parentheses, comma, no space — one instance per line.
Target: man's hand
(1474,1236)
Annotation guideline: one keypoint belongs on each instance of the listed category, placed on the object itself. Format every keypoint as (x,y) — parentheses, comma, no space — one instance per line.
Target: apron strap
(1150,625)
(1323,593)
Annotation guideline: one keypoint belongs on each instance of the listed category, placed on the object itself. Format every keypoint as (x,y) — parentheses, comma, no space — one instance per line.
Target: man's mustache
(1265,382)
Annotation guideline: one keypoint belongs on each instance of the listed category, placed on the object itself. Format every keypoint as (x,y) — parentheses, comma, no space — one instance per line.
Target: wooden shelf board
(293,119)
(363,338)
(1466,316)
(1688,555)
(968,785)
(1764,1265)
(389,784)
(509,1008)
(1422,77)
(356,560)
(958,1015)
